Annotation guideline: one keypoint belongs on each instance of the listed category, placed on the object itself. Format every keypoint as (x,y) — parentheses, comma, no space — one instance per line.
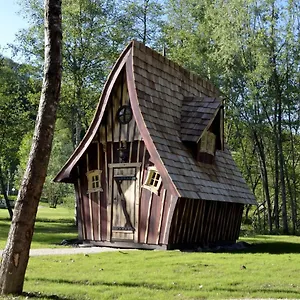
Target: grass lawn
(52,226)
(270,269)
(133,274)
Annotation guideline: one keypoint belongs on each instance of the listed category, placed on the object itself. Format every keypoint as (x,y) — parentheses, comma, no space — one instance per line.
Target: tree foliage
(250,50)
(17,113)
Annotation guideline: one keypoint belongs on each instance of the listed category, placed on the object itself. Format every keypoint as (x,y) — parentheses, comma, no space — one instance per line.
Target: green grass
(166,275)
(268,269)
(52,226)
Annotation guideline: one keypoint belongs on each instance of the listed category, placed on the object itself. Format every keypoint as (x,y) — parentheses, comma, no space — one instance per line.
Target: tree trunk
(292,202)
(145,12)
(264,175)
(293,193)
(276,183)
(3,189)
(16,253)
(276,91)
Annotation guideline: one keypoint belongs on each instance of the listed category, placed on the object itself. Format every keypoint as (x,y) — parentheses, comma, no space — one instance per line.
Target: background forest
(249,49)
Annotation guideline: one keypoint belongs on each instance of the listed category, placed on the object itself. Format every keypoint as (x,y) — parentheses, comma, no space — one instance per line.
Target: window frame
(94,181)
(208,143)
(124,114)
(152,177)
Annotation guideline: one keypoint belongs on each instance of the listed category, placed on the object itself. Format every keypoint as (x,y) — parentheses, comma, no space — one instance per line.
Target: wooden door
(124,201)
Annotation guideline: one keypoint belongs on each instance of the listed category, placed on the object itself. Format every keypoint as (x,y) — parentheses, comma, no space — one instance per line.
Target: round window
(124,114)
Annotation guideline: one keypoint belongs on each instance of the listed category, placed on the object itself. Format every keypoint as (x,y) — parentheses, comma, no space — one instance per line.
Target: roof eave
(144,131)
(64,174)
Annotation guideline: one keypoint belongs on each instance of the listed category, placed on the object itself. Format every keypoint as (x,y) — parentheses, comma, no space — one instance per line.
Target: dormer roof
(197,114)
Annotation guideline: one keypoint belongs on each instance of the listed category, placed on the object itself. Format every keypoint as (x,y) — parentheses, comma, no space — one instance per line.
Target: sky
(10,23)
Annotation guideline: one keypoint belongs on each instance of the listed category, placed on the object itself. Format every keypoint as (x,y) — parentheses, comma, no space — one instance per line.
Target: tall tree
(16,253)
(89,51)
(16,113)
(91,44)
(142,20)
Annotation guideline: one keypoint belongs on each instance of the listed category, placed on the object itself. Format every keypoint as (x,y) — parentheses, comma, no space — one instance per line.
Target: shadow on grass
(48,233)
(62,220)
(271,248)
(113,284)
(260,291)
(53,233)
(274,247)
(44,296)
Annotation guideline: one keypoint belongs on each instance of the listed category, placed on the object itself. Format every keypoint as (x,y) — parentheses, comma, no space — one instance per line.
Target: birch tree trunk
(16,253)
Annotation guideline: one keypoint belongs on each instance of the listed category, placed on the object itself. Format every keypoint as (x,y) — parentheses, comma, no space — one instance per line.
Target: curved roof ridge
(64,173)
(142,124)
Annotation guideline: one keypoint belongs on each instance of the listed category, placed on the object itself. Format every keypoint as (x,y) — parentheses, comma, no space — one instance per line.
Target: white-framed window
(153,180)
(94,181)
(208,143)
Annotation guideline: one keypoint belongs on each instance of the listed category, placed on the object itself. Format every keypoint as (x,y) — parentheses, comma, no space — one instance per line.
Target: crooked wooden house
(152,170)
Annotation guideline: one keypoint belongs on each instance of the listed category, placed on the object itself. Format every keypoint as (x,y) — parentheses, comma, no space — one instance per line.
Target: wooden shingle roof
(196,114)
(161,87)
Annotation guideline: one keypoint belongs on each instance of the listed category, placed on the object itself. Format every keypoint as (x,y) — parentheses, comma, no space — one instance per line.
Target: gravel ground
(68,250)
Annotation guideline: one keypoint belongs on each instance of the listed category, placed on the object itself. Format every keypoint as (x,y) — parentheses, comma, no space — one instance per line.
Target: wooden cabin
(153,170)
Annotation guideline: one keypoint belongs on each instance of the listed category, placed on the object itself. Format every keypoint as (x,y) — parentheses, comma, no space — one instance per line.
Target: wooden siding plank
(109,125)
(137,205)
(148,219)
(81,216)
(99,193)
(138,150)
(189,221)
(143,164)
(170,210)
(181,221)
(161,215)
(109,204)
(90,202)
(196,222)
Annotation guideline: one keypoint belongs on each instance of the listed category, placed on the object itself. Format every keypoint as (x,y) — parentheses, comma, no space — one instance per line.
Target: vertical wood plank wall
(198,222)
(104,150)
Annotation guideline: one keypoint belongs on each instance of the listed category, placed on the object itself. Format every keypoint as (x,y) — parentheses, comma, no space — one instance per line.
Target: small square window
(94,181)
(208,143)
(153,180)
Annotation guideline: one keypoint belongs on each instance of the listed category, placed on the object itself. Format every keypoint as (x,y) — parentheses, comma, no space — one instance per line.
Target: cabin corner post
(169,220)
(239,221)
(78,213)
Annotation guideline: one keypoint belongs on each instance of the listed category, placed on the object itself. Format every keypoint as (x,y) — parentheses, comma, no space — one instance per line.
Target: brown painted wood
(148,218)
(169,218)
(154,218)
(195,221)
(212,222)
(162,207)
(99,194)
(80,221)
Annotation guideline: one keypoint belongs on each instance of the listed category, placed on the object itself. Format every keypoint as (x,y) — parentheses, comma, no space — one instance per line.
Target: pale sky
(10,23)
